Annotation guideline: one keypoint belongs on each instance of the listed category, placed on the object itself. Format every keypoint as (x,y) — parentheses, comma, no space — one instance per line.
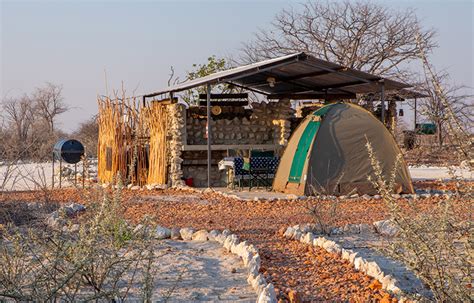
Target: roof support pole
(209,134)
(415,114)
(382,101)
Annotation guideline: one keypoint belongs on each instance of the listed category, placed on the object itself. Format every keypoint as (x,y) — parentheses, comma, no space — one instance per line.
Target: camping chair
(241,171)
(262,171)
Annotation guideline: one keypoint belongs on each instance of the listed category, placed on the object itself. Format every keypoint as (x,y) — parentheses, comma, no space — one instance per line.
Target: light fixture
(271,81)
(216,110)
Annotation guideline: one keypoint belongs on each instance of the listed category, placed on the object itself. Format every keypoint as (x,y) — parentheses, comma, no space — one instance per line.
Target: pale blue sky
(72,42)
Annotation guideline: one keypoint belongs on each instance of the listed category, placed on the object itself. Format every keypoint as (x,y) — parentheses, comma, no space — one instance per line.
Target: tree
(88,134)
(20,114)
(436,109)
(447,101)
(362,35)
(213,65)
(50,103)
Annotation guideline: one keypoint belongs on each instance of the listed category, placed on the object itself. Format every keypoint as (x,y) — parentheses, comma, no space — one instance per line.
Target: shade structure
(327,154)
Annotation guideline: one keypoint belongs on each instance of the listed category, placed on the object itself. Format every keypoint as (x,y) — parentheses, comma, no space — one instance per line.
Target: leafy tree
(213,65)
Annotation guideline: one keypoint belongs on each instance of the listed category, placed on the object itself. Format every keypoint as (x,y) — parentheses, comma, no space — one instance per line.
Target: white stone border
(247,252)
(370,268)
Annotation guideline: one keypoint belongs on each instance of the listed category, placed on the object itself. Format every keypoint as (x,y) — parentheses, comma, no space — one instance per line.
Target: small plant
(435,244)
(101,260)
(325,211)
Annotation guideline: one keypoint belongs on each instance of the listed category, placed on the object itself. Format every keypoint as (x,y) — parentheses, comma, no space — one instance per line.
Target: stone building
(236,130)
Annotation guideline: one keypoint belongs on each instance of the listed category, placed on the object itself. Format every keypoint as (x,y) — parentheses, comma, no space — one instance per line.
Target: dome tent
(327,154)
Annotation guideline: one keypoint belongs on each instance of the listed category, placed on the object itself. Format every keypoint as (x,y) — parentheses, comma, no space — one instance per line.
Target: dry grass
(433,243)
(100,260)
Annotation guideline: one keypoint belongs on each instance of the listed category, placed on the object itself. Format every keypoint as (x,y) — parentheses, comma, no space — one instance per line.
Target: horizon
(70,43)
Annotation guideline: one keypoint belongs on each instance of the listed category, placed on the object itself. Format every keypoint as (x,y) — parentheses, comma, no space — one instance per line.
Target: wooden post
(209,134)
(382,101)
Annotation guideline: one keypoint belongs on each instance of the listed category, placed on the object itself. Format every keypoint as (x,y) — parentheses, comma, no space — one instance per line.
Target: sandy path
(200,271)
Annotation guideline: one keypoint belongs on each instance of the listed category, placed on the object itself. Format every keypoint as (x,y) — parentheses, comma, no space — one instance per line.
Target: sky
(89,46)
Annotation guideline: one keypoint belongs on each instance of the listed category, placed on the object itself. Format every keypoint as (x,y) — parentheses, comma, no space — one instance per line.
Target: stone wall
(265,123)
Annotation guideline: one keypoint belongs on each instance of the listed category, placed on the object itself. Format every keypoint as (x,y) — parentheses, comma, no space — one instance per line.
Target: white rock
(220,238)
(297,235)
(345,254)
(162,233)
(251,278)
(200,235)
(352,257)
(328,243)
(305,228)
(336,249)
(186,233)
(136,187)
(175,234)
(229,241)
(388,281)
(386,228)
(366,228)
(319,241)
(307,238)
(373,270)
(75,208)
(351,229)
(256,259)
(54,220)
(259,283)
(289,232)
(337,231)
(241,248)
(246,257)
(251,248)
(332,247)
(212,235)
(138,228)
(359,263)
(267,295)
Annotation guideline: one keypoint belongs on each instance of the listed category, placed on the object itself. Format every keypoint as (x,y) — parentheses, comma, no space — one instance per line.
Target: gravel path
(316,275)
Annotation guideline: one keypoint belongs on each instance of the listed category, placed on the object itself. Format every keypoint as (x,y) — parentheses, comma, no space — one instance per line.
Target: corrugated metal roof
(297,73)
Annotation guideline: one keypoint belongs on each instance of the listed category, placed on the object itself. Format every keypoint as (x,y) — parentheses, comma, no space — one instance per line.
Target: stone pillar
(282,113)
(176,132)
(392,116)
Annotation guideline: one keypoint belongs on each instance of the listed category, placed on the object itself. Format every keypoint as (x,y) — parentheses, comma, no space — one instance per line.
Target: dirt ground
(315,275)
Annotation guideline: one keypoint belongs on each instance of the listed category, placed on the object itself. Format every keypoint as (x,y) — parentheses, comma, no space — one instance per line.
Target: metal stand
(60,172)
(75,174)
(83,173)
(52,174)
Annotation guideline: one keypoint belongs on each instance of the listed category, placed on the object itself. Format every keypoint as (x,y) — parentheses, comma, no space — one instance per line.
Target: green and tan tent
(327,154)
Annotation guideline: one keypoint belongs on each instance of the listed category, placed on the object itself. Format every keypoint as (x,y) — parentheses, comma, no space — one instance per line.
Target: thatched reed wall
(132,141)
